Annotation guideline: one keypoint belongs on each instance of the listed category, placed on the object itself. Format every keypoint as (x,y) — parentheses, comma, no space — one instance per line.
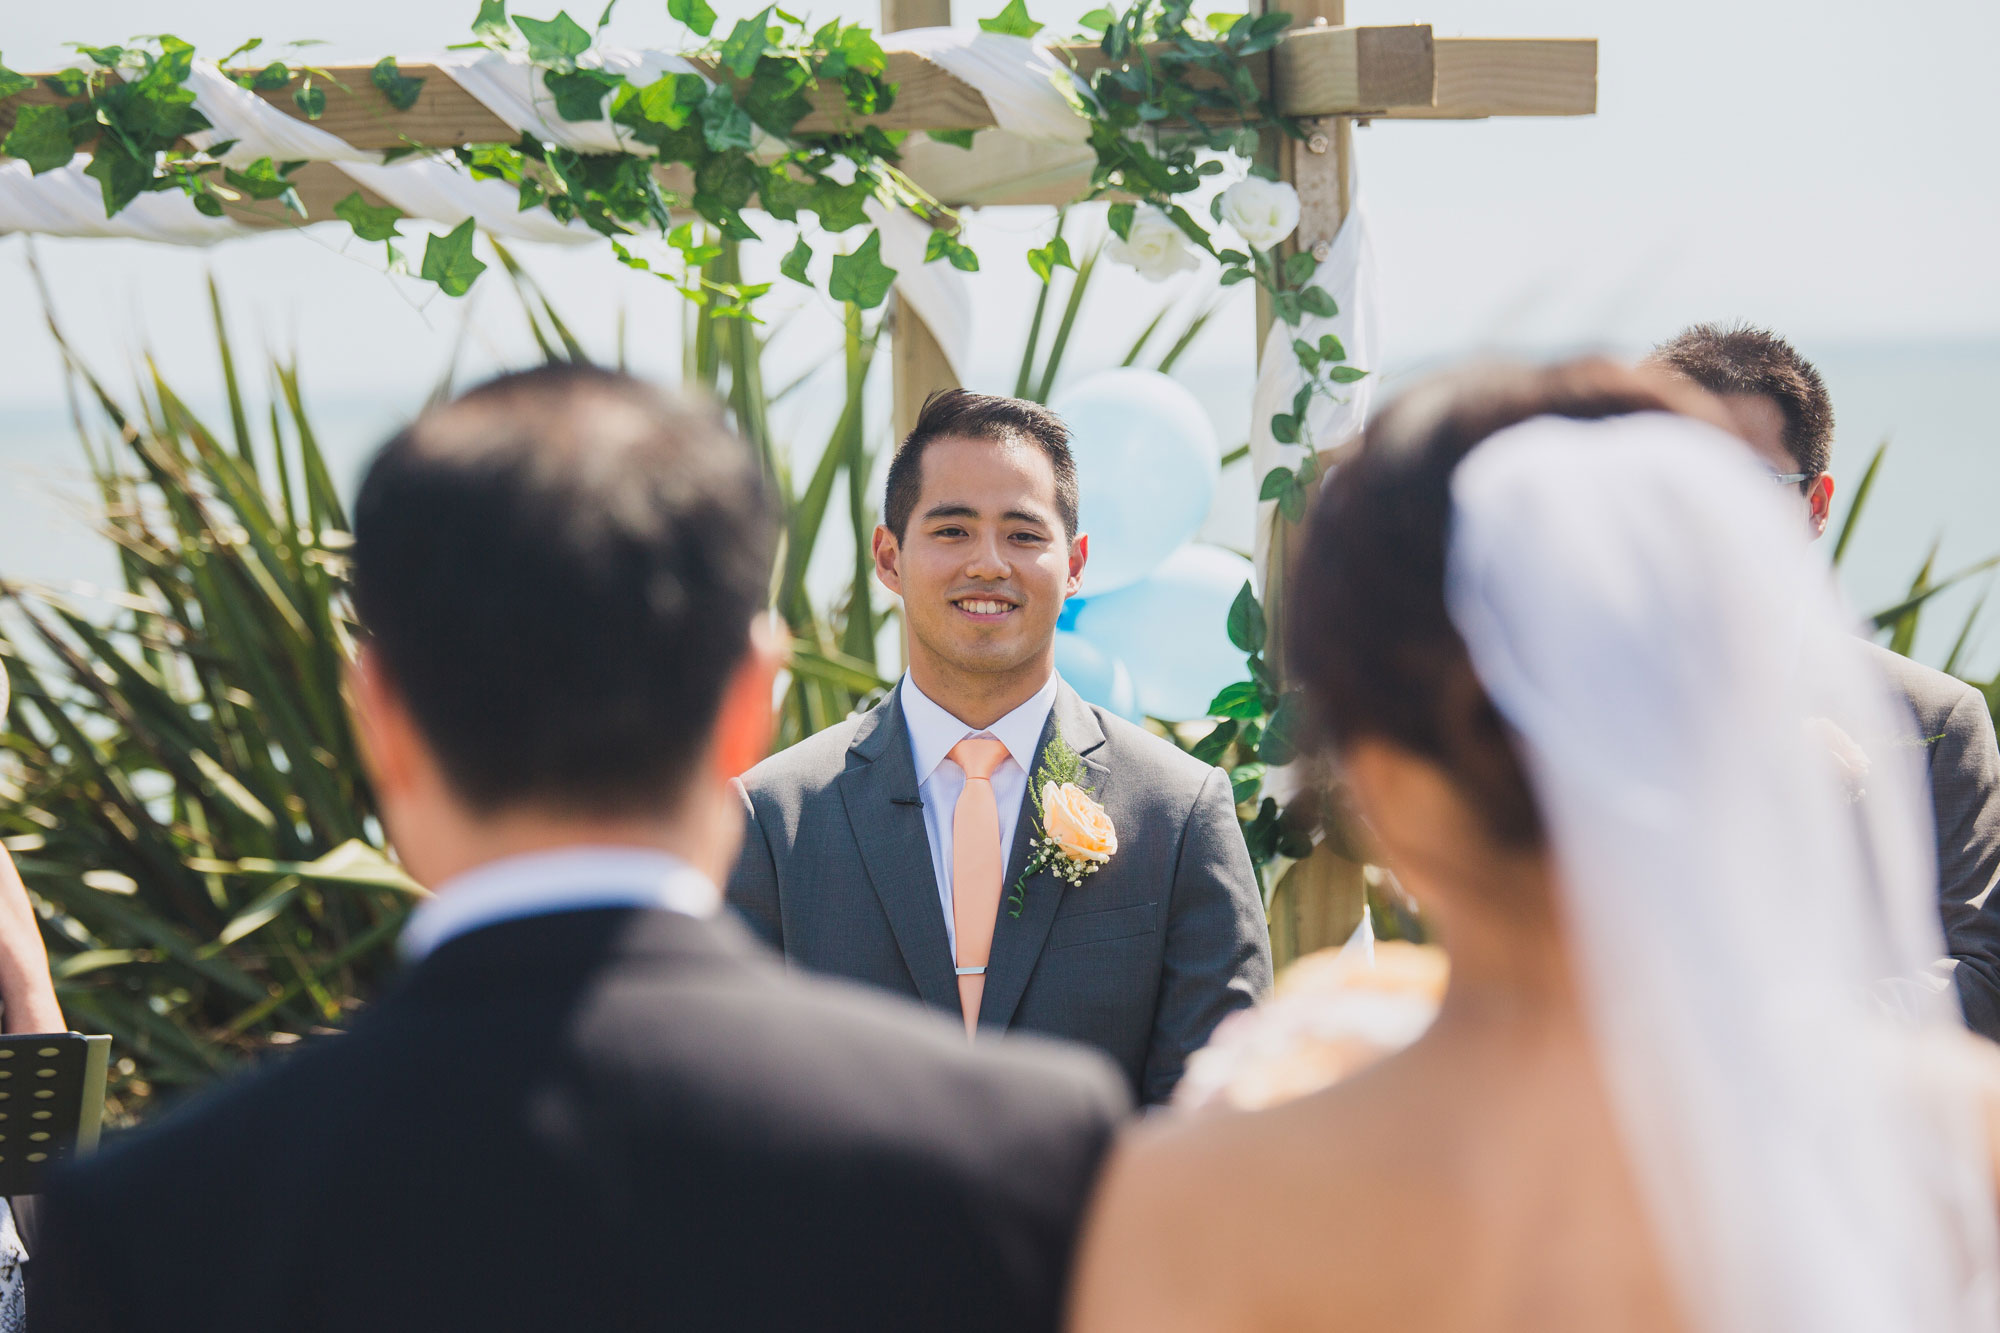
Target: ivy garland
(1175,98)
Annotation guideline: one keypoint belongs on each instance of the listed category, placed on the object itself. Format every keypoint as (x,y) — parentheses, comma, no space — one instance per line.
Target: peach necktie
(976,868)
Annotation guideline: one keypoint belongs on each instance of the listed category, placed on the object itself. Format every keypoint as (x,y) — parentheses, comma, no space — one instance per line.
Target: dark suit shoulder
(1933,695)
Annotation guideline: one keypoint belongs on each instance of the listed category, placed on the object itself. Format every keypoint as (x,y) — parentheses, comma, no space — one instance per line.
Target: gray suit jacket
(1956,730)
(1142,961)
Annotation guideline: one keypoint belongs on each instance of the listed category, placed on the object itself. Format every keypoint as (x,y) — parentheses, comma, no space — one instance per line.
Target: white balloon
(1171,630)
(1146,464)
(1097,676)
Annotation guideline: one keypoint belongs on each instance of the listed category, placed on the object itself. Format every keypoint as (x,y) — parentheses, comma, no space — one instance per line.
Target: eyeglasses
(1789,478)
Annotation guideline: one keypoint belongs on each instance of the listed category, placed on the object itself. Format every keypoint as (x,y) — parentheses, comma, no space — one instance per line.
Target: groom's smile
(983,565)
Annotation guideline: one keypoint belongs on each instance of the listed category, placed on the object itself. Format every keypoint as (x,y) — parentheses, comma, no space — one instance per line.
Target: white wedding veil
(1737,814)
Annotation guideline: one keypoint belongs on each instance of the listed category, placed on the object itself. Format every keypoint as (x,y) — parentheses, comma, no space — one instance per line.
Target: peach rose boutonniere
(1074,837)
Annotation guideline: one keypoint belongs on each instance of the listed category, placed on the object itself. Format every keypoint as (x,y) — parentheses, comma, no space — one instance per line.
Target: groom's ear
(1079,556)
(743,722)
(887,552)
(391,749)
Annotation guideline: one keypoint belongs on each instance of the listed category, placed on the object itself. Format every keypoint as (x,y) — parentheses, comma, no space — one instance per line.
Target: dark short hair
(1367,631)
(558,572)
(1746,360)
(963,414)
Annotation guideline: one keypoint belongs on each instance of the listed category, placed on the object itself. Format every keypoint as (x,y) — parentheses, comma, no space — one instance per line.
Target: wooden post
(1320,900)
(917,364)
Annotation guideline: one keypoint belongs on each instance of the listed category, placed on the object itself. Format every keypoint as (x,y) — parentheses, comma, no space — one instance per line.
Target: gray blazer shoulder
(1955,728)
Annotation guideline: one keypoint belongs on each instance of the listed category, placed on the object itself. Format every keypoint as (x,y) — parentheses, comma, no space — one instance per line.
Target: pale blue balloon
(1171,630)
(1146,468)
(1096,675)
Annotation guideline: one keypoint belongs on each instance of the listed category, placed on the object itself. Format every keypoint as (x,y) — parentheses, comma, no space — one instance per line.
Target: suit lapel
(886,815)
(1017,941)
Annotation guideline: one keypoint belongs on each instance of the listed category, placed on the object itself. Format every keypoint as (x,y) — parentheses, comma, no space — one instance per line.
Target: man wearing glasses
(1779,403)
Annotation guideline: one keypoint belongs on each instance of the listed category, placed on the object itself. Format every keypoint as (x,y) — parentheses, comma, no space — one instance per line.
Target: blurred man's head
(1775,399)
(557,575)
(980,541)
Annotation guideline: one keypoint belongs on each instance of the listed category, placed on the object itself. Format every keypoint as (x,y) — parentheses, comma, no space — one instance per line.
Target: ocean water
(1932,401)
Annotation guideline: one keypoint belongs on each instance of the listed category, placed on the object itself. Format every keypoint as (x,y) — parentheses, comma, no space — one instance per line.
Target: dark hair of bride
(1367,633)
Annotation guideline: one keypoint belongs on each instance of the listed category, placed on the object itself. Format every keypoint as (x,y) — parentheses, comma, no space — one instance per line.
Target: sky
(1824,168)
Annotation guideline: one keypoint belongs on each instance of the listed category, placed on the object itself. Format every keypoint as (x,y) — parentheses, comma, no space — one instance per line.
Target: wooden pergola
(1327,74)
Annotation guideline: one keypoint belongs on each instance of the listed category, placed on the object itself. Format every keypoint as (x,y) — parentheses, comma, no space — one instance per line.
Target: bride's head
(1426,760)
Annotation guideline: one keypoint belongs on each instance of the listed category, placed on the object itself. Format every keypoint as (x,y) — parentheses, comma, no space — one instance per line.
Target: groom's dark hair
(963,414)
(558,572)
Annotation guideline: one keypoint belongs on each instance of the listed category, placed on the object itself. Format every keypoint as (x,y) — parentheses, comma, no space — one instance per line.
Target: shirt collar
(933,731)
(565,879)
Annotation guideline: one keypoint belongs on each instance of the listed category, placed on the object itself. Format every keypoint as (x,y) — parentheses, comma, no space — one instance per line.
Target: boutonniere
(1074,837)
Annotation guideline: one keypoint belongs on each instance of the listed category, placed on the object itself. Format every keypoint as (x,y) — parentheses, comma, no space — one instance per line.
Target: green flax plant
(179,783)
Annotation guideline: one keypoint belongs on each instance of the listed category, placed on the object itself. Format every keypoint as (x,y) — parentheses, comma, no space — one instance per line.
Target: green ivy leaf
(1346,374)
(1285,430)
(272,77)
(1292,504)
(370,223)
(842,206)
(1120,216)
(1012,21)
(956,138)
(491,25)
(40,138)
(1210,748)
(1276,481)
(12,83)
(670,99)
(120,176)
(695,13)
(1097,20)
(1307,354)
(449,261)
(1245,781)
(1246,621)
(1318,301)
(1241,700)
(1280,742)
(397,88)
(557,41)
(1286,304)
(260,180)
(1232,276)
(793,265)
(1300,267)
(1048,258)
(745,44)
(725,125)
(1331,348)
(310,100)
(943,245)
(579,93)
(206,204)
(862,277)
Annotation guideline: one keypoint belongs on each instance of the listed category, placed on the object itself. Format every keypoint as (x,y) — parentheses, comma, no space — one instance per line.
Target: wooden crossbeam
(1329,71)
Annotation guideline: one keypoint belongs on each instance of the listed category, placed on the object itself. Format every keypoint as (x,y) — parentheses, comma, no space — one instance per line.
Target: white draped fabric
(1639,602)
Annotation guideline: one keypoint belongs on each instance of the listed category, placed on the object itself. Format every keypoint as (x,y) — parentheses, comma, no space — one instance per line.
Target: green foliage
(862,277)
(793,265)
(944,245)
(12,84)
(397,88)
(555,42)
(370,222)
(449,261)
(180,786)
(694,13)
(1013,21)
(41,138)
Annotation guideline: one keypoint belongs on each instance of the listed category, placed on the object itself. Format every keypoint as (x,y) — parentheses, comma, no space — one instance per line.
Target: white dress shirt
(566,879)
(933,732)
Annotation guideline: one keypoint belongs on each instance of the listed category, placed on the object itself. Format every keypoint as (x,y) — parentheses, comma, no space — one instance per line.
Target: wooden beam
(1510,76)
(917,364)
(1332,70)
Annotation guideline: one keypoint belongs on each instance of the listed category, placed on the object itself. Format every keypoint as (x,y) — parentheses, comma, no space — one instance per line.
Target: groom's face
(984,564)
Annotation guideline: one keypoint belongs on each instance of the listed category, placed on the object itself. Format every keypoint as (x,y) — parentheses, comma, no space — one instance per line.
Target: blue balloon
(1100,678)
(1146,469)
(1171,630)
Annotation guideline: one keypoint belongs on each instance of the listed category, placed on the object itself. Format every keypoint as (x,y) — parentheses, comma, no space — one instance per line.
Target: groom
(900,847)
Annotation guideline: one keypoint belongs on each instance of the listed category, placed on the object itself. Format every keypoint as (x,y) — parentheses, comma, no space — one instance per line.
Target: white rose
(1263,212)
(1154,246)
